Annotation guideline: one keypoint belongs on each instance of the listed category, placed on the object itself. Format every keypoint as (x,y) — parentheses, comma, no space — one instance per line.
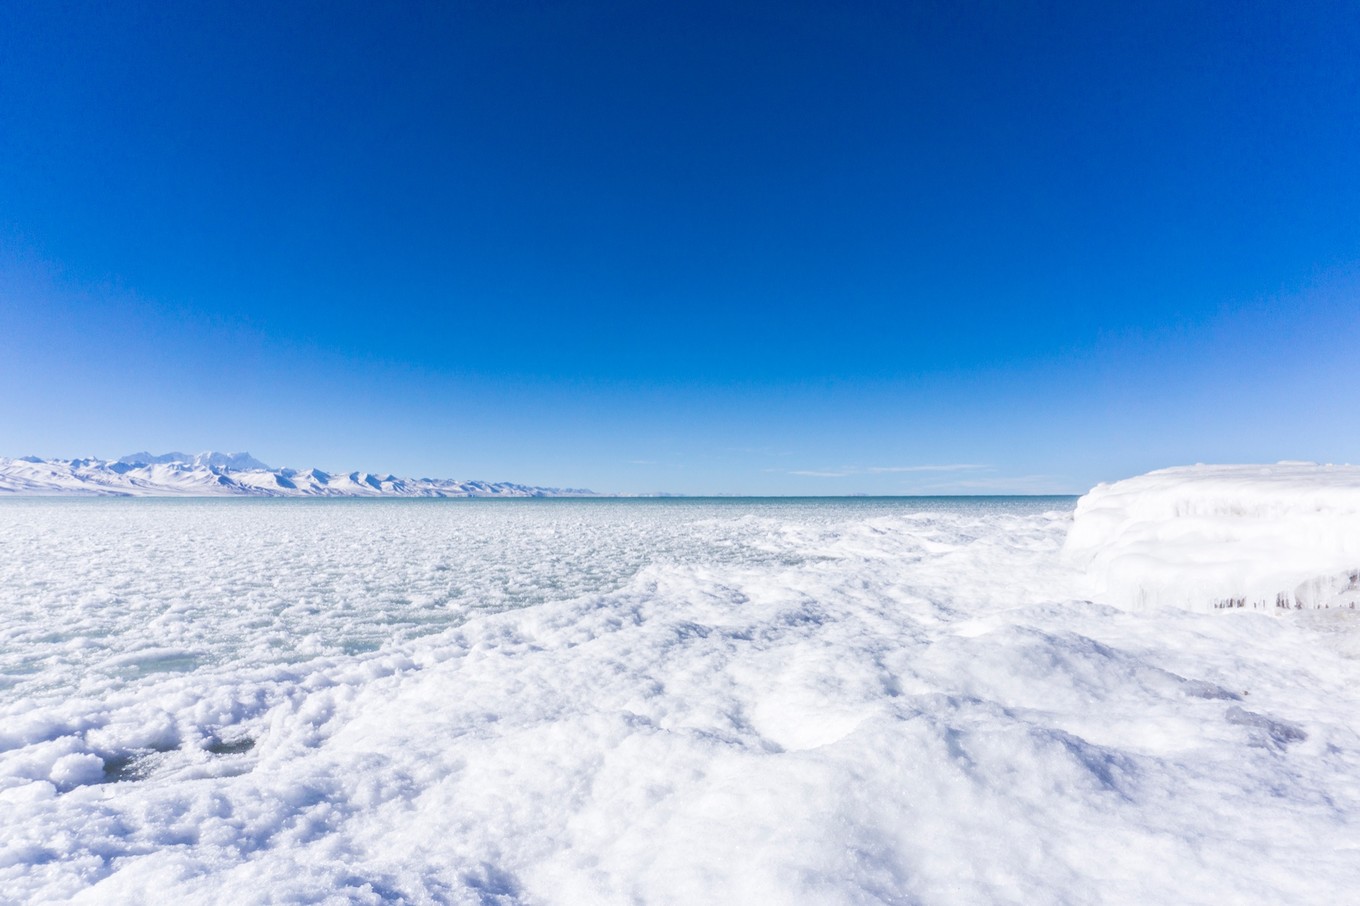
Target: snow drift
(1240,536)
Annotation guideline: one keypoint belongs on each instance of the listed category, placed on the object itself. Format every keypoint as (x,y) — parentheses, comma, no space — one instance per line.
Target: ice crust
(656,702)
(1204,537)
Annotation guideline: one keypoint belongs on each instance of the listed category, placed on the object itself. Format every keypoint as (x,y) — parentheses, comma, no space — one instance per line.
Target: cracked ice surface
(647,701)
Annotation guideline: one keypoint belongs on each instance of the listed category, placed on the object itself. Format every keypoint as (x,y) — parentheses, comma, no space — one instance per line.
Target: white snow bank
(1254,536)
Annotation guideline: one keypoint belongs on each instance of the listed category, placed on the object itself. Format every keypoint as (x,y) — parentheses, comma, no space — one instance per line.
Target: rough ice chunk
(1201,537)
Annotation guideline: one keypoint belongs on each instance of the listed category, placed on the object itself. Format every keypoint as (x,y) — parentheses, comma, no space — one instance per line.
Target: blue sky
(730,248)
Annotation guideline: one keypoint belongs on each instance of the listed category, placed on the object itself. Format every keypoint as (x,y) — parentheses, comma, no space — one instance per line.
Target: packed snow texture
(230,475)
(647,701)
(1204,537)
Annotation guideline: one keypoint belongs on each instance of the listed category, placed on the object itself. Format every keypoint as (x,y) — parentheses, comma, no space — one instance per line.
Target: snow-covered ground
(648,701)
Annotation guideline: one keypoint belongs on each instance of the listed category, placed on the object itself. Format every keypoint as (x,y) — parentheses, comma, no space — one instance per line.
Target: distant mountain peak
(240,462)
(214,474)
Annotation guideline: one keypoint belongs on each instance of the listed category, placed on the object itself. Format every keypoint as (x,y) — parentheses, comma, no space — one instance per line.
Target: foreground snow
(660,702)
(1260,537)
(230,475)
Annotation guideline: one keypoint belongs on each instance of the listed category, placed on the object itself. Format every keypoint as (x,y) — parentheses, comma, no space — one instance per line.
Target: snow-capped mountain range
(213,474)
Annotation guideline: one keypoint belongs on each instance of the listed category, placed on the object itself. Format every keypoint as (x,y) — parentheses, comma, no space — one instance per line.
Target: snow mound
(1211,536)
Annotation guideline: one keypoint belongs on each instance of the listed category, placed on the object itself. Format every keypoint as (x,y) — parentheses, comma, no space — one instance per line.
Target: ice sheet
(647,702)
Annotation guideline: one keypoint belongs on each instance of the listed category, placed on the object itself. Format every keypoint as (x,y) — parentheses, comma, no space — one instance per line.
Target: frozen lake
(504,701)
(106,591)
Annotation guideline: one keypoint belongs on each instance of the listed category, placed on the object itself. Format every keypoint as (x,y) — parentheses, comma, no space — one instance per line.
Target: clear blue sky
(700,247)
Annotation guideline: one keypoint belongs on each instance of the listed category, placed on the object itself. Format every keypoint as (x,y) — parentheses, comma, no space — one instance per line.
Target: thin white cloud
(1002,484)
(846,471)
(952,467)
